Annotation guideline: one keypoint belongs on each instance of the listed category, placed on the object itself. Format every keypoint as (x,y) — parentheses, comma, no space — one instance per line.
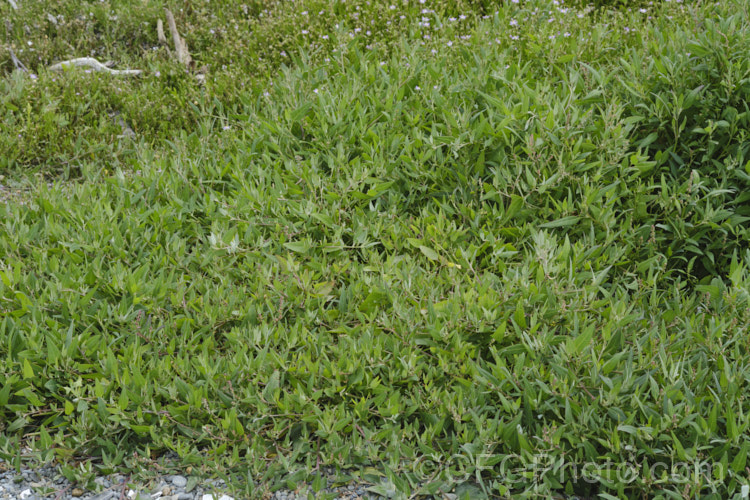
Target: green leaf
(678,448)
(562,222)
(577,344)
(374,300)
(28,370)
(192,482)
(429,252)
(5,393)
(297,246)
(698,49)
(740,460)
(272,386)
(142,430)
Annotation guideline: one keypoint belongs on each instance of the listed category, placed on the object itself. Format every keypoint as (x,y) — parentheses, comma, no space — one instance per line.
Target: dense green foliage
(485,245)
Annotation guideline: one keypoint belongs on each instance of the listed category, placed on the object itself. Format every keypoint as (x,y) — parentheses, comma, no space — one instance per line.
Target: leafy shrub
(688,96)
(468,244)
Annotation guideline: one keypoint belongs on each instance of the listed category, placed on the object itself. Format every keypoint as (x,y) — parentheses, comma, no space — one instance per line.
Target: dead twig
(160,32)
(16,61)
(92,63)
(180,46)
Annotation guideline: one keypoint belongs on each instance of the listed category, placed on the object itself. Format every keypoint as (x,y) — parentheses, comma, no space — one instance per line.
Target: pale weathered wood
(16,61)
(160,32)
(180,46)
(92,63)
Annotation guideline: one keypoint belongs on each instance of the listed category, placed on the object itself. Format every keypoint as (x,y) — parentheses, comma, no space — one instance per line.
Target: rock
(77,492)
(179,481)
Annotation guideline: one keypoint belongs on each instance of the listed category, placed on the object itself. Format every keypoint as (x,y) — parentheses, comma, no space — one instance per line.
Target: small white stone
(25,494)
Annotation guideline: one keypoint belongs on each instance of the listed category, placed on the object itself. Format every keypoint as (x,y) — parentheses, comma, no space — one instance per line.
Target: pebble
(45,482)
(179,481)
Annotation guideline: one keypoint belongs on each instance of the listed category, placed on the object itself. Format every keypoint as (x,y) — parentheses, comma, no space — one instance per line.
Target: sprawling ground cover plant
(500,247)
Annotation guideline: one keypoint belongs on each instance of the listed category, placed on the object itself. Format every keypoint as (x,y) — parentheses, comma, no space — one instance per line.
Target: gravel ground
(46,482)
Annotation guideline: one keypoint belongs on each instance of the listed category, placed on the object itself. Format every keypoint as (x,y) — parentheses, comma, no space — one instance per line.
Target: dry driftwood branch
(180,46)
(93,64)
(16,61)
(160,32)
(13,4)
